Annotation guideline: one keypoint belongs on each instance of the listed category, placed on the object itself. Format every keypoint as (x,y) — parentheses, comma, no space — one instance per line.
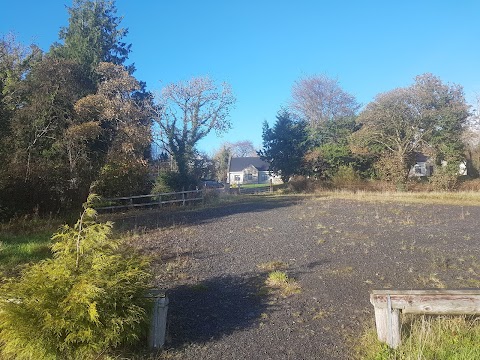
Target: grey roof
(240,163)
(421,157)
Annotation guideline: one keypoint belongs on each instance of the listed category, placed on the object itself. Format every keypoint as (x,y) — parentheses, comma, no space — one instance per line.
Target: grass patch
(24,241)
(254,186)
(21,249)
(280,281)
(428,338)
(465,198)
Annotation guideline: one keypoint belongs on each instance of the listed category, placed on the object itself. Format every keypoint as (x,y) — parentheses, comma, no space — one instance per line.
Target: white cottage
(248,170)
(424,166)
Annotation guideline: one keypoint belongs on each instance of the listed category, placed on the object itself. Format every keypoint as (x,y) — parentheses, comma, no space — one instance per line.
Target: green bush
(88,299)
(346,176)
(123,179)
(444,178)
(171,181)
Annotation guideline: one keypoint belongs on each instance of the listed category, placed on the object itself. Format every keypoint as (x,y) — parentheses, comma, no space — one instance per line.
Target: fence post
(158,323)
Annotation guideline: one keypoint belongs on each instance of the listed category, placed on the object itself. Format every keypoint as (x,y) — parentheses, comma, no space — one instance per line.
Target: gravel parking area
(210,260)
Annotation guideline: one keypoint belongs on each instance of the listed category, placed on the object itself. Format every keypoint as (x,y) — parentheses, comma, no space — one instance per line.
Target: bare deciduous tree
(318,99)
(187,112)
(243,148)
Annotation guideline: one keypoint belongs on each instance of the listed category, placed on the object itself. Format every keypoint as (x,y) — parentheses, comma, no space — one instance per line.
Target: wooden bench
(390,304)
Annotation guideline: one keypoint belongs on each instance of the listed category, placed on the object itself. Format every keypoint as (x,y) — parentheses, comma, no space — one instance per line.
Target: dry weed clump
(279,280)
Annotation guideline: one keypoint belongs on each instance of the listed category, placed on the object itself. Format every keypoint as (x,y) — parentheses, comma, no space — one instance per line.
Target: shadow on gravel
(214,308)
(151,219)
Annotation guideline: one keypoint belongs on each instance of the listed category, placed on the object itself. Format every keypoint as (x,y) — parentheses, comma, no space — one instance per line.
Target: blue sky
(262,47)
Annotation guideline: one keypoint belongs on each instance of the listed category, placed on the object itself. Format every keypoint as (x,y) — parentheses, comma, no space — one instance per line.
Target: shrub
(346,176)
(123,179)
(444,179)
(171,181)
(300,184)
(392,169)
(86,300)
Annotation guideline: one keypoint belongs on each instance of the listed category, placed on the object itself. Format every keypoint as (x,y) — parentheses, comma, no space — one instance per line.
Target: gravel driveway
(210,260)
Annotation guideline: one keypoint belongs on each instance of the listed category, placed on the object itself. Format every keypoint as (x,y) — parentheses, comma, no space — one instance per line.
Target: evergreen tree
(37,166)
(86,300)
(284,145)
(93,35)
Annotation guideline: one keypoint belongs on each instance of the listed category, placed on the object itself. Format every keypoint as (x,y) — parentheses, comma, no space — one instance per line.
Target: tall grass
(435,197)
(428,338)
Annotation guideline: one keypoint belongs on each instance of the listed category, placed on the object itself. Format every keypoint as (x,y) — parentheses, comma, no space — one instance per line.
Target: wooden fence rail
(390,304)
(131,202)
(255,190)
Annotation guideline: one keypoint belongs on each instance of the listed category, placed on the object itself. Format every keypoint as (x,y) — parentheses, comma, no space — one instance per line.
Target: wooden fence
(131,202)
(255,190)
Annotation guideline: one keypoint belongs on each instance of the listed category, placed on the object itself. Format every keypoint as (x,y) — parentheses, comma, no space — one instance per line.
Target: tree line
(75,120)
(323,132)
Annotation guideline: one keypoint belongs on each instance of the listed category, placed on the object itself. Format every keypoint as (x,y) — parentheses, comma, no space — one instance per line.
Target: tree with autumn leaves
(382,139)
(76,120)
(72,117)
(428,116)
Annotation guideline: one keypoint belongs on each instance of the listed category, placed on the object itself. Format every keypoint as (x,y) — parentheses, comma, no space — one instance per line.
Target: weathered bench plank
(389,304)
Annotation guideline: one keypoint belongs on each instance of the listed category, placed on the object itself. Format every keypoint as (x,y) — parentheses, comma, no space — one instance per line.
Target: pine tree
(284,145)
(94,35)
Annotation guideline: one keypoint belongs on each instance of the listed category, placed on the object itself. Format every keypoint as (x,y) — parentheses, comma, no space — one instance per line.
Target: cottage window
(418,169)
(249,177)
(237,177)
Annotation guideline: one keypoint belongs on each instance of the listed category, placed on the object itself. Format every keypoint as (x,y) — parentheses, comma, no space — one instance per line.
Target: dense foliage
(75,120)
(429,118)
(72,117)
(86,300)
(172,181)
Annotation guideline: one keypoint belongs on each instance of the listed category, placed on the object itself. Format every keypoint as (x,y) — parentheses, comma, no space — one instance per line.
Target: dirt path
(337,250)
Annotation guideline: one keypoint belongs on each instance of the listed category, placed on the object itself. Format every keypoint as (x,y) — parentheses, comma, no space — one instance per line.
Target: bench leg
(388,326)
